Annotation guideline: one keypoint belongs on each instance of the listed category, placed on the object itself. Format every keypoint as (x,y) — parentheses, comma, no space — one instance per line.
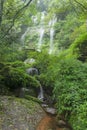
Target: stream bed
(49,123)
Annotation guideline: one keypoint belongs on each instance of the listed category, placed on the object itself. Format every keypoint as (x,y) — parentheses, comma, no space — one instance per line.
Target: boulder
(19,114)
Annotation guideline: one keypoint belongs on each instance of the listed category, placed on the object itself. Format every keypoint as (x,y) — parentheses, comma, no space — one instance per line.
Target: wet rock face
(29,61)
(49,110)
(32,71)
(19,114)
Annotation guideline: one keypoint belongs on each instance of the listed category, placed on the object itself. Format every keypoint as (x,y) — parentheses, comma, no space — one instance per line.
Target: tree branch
(1,10)
(73,7)
(16,15)
(80,4)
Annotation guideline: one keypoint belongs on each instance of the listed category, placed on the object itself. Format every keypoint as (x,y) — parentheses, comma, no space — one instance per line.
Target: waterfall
(42,16)
(34,19)
(41,95)
(23,36)
(51,40)
(41,31)
(52,31)
(40,38)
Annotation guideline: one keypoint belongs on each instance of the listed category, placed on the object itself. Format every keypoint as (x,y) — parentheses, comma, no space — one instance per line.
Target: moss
(33,82)
(33,99)
(16,113)
(1,65)
(13,76)
(80,47)
(17,64)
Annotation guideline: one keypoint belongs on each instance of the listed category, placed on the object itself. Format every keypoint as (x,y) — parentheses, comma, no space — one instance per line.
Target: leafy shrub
(79,120)
(3,88)
(80,47)
(46,65)
(70,89)
(16,78)
(17,64)
(1,65)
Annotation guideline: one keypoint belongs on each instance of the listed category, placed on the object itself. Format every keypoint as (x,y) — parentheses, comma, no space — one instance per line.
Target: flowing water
(23,37)
(52,31)
(40,30)
(51,40)
(41,33)
(41,94)
(49,122)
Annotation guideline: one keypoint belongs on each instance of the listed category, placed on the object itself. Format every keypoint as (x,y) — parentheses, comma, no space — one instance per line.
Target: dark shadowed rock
(32,71)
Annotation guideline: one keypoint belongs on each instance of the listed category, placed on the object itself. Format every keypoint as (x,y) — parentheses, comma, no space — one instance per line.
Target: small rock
(50,110)
(61,123)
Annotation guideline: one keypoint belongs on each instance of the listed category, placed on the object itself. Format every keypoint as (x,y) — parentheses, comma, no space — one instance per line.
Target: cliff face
(19,114)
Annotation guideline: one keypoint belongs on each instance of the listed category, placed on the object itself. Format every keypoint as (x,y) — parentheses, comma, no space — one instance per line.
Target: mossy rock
(17,78)
(33,99)
(19,114)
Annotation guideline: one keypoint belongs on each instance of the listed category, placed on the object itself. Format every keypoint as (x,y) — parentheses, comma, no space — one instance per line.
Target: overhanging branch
(1,10)
(80,4)
(16,15)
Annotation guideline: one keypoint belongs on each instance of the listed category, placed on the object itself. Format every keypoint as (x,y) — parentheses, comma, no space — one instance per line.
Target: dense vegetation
(63,73)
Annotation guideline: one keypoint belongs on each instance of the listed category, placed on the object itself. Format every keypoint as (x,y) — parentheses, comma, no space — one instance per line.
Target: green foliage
(17,64)
(32,82)
(13,76)
(81,122)
(62,74)
(70,90)
(80,47)
(44,63)
(3,89)
(32,98)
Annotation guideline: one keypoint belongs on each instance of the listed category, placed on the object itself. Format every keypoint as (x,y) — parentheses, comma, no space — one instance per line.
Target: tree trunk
(1,10)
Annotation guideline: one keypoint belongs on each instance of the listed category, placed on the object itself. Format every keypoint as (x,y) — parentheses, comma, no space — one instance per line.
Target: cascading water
(51,40)
(41,94)
(52,31)
(41,31)
(41,38)
(23,37)
(34,19)
(42,17)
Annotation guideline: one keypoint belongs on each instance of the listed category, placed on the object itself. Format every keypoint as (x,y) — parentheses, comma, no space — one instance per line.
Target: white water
(23,36)
(42,16)
(41,31)
(52,31)
(51,41)
(34,19)
(41,94)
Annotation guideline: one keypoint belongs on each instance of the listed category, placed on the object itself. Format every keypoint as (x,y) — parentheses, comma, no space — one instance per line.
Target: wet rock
(29,61)
(19,114)
(61,123)
(50,110)
(32,71)
(44,105)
